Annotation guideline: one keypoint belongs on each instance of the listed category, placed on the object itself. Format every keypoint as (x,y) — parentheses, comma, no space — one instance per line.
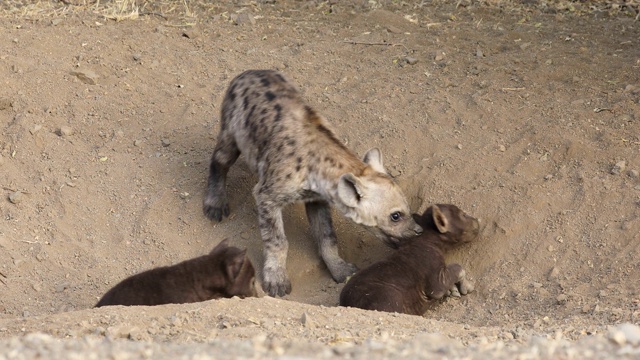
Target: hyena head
(374,200)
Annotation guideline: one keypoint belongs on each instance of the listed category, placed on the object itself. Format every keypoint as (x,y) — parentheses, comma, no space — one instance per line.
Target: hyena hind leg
(319,215)
(216,204)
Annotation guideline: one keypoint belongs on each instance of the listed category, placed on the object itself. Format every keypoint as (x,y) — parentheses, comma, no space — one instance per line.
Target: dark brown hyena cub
(225,272)
(416,272)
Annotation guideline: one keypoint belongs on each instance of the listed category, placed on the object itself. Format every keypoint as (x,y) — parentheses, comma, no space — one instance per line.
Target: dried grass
(117,10)
(187,12)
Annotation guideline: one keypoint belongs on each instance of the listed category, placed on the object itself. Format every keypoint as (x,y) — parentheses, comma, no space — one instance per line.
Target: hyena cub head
(235,276)
(374,200)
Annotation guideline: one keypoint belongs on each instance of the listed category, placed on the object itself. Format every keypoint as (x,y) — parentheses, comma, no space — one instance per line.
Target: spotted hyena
(298,158)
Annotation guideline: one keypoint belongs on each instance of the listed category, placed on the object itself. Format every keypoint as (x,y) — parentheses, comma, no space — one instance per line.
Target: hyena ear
(221,246)
(441,221)
(350,190)
(234,264)
(373,158)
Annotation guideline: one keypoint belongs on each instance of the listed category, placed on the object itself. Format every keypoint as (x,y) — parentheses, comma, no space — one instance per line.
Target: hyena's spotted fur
(298,158)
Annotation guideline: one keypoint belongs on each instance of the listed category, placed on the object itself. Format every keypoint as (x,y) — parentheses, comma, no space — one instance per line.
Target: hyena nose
(418,230)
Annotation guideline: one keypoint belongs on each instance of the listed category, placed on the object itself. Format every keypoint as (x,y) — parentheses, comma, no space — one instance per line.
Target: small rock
(553,274)
(634,174)
(479,53)
(631,333)
(137,142)
(629,88)
(241,19)
(306,320)
(439,56)
(165,142)
(502,148)
(562,299)
(394,30)
(65,131)
(15,197)
(137,57)
(5,103)
(56,22)
(410,60)
(537,285)
(86,76)
(459,146)
(548,177)
(35,129)
(618,167)
(603,293)
(1,160)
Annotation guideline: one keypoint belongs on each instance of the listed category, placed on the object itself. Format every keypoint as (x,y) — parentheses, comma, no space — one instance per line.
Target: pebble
(502,148)
(553,274)
(1,159)
(410,60)
(625,333)
(439,56)
(5,103)
(634,174)
(459,146)
(243,18)
(86,76)
(15,197)
(562,299)
(35,129)
(306,320)
(137,142)
(65,131)
(618,167)
(165,142)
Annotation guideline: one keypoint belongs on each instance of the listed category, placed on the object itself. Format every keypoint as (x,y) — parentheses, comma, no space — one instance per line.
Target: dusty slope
(518,118)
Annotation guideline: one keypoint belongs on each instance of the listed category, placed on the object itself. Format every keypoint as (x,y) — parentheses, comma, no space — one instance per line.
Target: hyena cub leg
(275,280)
(216,205)
(459,285)
(319,216)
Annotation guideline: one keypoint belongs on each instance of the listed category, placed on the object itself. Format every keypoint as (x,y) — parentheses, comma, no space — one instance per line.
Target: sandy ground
(527,119)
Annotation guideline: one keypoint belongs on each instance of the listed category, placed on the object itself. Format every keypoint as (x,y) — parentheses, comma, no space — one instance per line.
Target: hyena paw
(454,292)
(216,207)
(276,282)
(465,287)
(341,272)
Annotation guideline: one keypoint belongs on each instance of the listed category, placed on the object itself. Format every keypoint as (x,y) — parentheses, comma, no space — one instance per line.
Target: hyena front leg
(319,215)
(275,281)
(216,205)
(458,282)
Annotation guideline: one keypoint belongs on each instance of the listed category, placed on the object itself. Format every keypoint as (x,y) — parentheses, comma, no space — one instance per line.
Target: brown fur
(223,273)
(416,272)
(297,157)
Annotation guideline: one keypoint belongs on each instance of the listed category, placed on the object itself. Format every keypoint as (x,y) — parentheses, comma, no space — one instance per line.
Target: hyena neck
(330,160)
(324,180)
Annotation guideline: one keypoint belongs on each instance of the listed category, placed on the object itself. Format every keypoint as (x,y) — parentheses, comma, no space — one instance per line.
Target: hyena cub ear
(373,158)
(220,247)
(350,190)
(441,221)
(234,264)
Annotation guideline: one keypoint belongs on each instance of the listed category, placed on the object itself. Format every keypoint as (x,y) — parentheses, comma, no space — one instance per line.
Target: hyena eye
(396,216)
